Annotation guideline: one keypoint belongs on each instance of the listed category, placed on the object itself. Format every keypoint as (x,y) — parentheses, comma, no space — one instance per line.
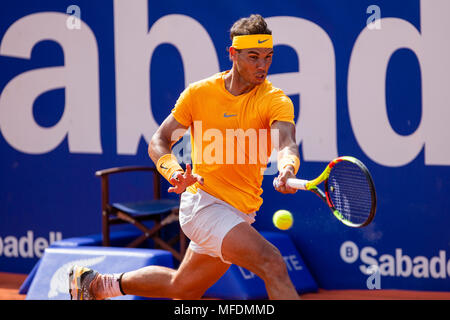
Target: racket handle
(293,183)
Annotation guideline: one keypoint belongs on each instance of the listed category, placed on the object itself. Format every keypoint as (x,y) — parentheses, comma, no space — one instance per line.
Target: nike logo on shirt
(229,115)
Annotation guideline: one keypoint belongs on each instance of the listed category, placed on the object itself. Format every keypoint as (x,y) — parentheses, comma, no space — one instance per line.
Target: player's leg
(198,270)
(244,246)
(195,275)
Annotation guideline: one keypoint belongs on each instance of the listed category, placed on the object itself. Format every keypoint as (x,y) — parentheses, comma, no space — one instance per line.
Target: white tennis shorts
(206,220)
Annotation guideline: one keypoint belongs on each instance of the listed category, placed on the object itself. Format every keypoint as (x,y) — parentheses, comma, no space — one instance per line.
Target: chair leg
(153,233)
(181,240)
(138,241)
(105,229)
(165,246)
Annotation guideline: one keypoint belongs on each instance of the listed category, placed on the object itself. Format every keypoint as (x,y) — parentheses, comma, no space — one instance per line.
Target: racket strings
(350,191)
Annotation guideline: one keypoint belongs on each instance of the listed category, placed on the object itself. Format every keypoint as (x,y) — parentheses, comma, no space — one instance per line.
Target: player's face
(253,64)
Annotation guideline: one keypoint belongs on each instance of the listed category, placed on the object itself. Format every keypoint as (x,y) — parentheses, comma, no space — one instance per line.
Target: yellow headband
(252,41)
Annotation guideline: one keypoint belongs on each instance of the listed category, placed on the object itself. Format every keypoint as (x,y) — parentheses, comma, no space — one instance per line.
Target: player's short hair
(254,24)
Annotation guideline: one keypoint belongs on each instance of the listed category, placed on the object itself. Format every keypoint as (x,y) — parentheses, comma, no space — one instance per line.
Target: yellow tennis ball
(282,219)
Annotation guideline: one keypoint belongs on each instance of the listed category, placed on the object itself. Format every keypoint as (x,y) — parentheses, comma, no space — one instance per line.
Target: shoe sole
(74,285)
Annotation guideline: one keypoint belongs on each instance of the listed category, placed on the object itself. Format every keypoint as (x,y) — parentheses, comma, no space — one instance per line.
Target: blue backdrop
(367,78)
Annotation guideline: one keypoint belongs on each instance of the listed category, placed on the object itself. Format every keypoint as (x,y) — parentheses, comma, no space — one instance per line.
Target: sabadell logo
(397,264)
(27,246)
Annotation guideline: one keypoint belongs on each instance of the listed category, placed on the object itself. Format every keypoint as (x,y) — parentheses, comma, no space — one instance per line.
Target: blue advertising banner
(85,84)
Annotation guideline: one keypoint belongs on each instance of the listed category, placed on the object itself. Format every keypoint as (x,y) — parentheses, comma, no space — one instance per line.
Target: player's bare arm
(287,147)
(165,137)
(161,144)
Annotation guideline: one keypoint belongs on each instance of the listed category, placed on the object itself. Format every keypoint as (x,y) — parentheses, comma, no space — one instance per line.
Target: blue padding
(26,284)
(148,207)
(51,279)
(117,238)
(239,283)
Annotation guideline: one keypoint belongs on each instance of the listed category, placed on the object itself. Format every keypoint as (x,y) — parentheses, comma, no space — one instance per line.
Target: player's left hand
(181,181)
(283,175)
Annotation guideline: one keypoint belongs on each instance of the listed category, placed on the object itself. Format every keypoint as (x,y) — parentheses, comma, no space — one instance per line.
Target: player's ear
(232,53)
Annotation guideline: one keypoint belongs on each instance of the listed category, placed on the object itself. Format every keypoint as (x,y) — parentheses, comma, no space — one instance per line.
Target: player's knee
(274,266)
(190,294)
(184,289)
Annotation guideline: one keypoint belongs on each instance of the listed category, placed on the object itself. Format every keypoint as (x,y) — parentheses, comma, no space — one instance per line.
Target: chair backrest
(105,173)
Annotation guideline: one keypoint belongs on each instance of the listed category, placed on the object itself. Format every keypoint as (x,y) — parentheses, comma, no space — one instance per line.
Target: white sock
(110,285)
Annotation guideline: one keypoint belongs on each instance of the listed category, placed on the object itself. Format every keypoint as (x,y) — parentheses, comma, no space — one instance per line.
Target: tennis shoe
(80,279)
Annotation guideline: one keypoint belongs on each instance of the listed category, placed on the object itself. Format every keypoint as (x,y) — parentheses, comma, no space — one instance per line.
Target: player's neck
(235,84)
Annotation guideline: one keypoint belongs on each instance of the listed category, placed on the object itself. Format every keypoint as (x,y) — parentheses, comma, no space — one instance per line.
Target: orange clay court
(11,282)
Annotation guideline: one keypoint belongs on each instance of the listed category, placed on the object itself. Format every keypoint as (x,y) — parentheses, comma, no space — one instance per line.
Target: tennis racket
(349,191)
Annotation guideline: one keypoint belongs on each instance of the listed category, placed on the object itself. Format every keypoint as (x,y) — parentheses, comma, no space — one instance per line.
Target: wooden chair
(161,211)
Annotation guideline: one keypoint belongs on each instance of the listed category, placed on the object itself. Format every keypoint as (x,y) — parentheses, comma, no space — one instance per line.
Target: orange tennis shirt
(230,137)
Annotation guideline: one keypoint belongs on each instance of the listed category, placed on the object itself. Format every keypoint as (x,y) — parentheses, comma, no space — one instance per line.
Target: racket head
(350,192)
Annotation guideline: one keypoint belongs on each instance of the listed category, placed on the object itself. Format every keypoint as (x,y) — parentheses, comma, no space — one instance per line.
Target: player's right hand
(180,181)
(281,180)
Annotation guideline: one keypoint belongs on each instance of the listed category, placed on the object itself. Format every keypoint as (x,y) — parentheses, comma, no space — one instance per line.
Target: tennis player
(219,199)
